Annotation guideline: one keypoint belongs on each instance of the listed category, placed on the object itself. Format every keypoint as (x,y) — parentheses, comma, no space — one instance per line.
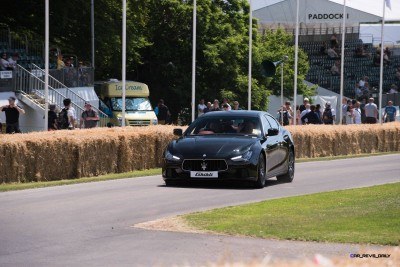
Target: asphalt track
(91,224)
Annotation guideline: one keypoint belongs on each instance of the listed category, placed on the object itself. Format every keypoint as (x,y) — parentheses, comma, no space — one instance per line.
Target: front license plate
(203,174)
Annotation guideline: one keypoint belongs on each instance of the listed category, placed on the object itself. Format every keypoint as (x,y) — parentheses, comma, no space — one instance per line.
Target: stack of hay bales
(314,141)
(45,156)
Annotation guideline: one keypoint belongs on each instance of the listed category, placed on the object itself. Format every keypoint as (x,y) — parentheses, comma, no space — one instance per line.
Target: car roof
(246,113)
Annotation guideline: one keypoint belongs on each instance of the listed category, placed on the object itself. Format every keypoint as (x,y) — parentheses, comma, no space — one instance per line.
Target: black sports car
(231,145)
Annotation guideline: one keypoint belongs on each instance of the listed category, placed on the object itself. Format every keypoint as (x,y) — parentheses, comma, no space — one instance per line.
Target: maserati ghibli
(230,145)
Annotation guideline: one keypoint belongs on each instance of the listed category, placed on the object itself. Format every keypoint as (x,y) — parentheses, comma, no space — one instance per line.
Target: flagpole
(250,54)
(194,59)
(123,61)
(381,66)
(342,62)
(296,55)
(46,68)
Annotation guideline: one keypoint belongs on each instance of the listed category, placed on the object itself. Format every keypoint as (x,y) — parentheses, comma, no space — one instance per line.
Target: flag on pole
(388,4)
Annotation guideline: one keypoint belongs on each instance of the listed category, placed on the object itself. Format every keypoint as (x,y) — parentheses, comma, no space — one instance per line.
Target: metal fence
(74,77)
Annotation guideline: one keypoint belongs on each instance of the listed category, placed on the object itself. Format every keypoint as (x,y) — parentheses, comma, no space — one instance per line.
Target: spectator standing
(226,101)
(290,110)
(200,107)
(12,61)
(236,105)
(362,107)
(52,118)
(303,106)
(298,121)
(318,112)
(310,117)
(67,116)
(89,117)
(303,113)
(329,114)
(208,108)
(12,116)
(357,113)
(371,112)
(163,112)
(349,114)
(215,106)
(389,114)
(284,116)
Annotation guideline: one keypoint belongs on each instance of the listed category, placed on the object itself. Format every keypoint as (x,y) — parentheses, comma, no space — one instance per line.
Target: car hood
(212,146)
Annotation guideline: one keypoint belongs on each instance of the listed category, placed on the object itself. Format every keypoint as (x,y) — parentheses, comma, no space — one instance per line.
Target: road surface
(91,224)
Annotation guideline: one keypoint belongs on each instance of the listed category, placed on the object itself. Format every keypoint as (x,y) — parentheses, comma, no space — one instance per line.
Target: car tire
(260,183)
(289,175)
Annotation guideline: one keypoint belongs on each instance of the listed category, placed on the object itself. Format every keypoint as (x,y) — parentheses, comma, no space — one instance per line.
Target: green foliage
(159,46)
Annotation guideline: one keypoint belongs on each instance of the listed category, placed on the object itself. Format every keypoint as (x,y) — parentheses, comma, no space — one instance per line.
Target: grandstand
(354,67)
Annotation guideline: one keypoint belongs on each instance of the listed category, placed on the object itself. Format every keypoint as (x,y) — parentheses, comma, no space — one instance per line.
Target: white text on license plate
(203,174)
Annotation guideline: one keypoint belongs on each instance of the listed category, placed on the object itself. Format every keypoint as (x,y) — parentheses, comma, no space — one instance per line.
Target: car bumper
(236,171)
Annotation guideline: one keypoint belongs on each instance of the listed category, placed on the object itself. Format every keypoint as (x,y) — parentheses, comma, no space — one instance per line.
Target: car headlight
(244,157)
(171,157)
(154,121)
(119,120)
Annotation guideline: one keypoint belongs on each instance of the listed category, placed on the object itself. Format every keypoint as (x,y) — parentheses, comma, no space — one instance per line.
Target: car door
(281,150)
(270,145)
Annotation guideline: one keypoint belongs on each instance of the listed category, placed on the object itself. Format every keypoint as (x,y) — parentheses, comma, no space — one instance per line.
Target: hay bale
(45,156)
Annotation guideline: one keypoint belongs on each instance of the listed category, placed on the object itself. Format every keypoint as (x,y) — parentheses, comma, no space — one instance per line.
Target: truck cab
(138,109)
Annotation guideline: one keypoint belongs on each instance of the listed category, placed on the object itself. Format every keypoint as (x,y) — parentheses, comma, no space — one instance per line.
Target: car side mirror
(273,132)
(178,132)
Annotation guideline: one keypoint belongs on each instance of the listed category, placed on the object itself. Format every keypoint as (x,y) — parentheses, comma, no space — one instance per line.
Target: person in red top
(12,116)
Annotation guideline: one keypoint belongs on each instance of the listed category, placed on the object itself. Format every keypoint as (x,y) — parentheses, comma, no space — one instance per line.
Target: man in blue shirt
(389,113)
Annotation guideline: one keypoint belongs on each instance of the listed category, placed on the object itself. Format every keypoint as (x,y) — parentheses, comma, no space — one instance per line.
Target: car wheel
(289,175)
(260,183)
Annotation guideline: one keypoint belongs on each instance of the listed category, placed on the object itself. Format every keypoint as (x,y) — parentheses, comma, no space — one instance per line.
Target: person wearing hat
(89,117)
(329,114)
(12,116)
(305,102)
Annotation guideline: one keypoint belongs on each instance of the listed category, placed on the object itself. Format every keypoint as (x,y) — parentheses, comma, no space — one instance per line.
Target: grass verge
(364,215)
(107,177)
(346,156)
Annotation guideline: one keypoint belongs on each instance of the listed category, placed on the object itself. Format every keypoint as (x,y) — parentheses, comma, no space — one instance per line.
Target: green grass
(114,176)
(364,215)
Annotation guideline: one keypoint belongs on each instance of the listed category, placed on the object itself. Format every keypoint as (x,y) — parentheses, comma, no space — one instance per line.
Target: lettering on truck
(326,16)
(129,87)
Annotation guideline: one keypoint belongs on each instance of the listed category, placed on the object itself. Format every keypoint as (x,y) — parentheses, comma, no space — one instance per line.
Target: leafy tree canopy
(159,46)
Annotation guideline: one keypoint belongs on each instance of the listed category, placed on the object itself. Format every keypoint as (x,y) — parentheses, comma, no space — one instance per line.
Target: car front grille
(204,165)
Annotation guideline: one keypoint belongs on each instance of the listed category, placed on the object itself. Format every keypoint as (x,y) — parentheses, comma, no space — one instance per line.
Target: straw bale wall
(44,156)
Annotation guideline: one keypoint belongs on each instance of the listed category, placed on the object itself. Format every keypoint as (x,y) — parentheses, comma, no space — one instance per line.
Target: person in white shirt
(371,112)
(357,113)
(363,81)
(12,61)
(304,112)
(332,53)
(225,101)
(71,113)
(393,89)
(200,107)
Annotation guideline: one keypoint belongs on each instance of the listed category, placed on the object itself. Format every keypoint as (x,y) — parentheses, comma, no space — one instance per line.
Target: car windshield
(225,125)
(131,104)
